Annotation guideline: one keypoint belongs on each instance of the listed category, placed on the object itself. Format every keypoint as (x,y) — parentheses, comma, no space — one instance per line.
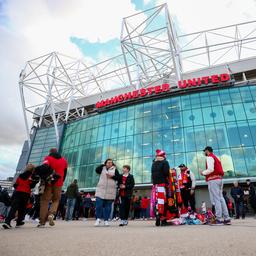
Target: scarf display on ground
(166,201)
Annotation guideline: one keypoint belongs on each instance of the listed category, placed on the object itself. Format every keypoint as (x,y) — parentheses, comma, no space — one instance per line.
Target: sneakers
(35,221)
(97,223)
(7,226)
(123,223)
(227,222)
(51,220)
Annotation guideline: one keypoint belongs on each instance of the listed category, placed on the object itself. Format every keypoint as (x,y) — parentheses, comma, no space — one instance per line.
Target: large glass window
(182,126)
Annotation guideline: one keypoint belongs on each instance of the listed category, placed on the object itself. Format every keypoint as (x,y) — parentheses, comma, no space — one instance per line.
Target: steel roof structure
(152,52)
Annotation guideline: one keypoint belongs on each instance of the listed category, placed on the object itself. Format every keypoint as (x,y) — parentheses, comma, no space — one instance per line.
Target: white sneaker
(35,221)
(84,219)
(27,218)
(106,224)
(97,223)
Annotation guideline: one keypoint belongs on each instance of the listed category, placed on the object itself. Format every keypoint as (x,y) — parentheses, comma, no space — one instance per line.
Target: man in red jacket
(21,196)
(213,175)
(52,192)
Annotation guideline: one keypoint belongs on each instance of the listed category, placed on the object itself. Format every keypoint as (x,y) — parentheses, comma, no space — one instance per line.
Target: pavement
(138,238)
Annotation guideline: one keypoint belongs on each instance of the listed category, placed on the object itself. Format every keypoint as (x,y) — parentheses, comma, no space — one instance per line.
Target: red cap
(160,152)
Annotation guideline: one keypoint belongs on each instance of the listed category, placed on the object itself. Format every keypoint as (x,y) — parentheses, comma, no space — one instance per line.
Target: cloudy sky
(81,28)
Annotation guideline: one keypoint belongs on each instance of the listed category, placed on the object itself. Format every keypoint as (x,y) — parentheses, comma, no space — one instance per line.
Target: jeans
(217,199)
(103,208)
(70,208)
(143,213)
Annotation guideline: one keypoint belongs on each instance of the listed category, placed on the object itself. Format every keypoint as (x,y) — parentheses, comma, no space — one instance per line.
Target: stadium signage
(160,89)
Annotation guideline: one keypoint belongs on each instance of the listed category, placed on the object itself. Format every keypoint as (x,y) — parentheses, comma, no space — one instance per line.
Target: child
(126,184)
(21,197)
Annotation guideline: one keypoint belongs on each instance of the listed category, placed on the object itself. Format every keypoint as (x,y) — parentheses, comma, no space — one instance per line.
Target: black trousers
(19,203)
(36,208)
(124,207)
(86,212)
(240,210)
(61,211)
(188,199)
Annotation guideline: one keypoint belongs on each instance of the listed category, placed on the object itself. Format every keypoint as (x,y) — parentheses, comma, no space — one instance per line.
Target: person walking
(126,184)
(21,197)
(105,191)
(71,194)
(237,194)
(160,171)
(187,184)
(52,192)
(213,175)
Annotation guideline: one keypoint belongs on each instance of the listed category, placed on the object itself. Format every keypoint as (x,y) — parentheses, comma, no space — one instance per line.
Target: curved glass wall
(182,126)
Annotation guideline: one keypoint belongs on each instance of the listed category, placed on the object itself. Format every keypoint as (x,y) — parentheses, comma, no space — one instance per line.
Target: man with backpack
(213,175)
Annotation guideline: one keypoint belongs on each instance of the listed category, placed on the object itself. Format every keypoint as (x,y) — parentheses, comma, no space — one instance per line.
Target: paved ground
(139,238)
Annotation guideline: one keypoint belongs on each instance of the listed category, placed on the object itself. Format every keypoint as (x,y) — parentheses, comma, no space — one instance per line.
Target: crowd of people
(39,195)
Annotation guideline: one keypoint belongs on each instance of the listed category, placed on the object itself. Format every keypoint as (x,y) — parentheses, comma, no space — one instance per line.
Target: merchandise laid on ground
(178,93)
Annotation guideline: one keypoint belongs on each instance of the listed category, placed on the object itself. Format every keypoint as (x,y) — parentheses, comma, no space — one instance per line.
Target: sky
(83,29)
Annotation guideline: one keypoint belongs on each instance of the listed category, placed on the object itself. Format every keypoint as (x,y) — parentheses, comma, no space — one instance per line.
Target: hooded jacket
(160,170)
(59,165)
(72,191)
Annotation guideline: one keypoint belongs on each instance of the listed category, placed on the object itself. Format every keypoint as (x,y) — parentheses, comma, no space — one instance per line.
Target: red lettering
(199,82)
(150,90)
(143,92)
(108,102)
(114,100)
(165,87)
(103,102)
(120,98)
(99,104)
(158,89)
(224,77)
(127,96)
(215,79)
(135,94)
(205,79)
(191,82)
(182,84)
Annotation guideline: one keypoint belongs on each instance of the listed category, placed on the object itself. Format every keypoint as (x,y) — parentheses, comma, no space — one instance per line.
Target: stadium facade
(177,109)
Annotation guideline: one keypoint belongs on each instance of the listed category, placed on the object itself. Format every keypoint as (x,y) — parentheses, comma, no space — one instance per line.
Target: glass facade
(44,140)
(182,126)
